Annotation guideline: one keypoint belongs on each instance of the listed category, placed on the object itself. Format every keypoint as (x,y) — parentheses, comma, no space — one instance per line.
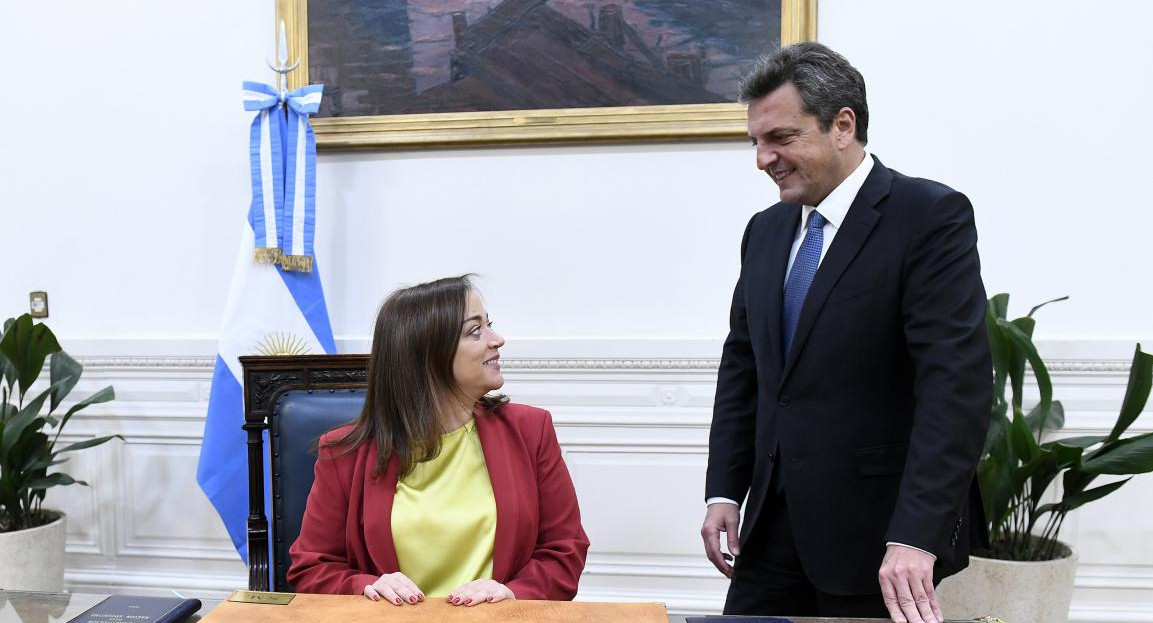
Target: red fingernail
(398,601)
(490,597)
(412,600)
(420,597)
(469,602)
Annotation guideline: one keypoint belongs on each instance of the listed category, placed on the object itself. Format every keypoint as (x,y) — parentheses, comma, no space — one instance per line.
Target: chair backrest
(300,418)
(296,399)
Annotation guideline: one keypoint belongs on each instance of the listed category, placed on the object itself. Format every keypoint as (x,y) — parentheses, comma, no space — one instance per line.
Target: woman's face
(476,366)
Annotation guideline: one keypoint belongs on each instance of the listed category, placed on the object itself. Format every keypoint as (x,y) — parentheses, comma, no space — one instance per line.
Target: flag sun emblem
(282,343)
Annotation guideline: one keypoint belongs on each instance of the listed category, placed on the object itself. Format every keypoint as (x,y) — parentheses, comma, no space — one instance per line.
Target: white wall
(124,185)
(124,176)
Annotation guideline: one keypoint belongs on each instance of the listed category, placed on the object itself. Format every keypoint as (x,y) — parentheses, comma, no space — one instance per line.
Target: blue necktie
(801,276)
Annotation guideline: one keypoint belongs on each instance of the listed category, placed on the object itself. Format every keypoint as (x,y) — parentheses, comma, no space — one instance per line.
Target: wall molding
(573,364)
(162,361)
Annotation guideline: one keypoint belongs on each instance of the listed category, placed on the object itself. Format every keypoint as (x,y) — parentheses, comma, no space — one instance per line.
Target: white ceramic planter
(33,559)
(1016,592)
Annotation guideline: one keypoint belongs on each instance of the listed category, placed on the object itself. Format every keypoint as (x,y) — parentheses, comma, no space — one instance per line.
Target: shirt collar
(836,205)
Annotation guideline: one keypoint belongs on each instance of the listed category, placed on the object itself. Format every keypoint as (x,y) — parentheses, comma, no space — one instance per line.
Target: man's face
(805,162)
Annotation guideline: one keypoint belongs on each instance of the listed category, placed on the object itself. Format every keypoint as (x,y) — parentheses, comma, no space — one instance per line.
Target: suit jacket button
(783,401)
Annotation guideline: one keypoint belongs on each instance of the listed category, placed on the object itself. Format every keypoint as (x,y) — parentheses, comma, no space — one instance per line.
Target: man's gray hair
(825,79)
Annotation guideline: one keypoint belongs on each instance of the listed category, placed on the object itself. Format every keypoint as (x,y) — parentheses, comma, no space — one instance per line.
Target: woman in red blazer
(434,360)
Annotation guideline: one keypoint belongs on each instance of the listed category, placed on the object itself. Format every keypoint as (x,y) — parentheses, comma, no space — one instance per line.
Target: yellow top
(444,516)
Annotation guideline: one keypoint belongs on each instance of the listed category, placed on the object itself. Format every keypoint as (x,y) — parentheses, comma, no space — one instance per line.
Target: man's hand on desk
(906,578)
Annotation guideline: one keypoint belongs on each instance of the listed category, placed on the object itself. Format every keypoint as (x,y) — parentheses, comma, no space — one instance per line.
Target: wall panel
(634,430)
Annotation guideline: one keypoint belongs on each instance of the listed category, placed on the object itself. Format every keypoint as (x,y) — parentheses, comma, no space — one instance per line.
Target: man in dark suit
(855,384)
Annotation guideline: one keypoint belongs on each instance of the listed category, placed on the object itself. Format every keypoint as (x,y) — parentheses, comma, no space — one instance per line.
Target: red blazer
(345,537)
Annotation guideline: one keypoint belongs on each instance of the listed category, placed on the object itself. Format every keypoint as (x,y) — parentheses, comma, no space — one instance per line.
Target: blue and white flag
(270,310)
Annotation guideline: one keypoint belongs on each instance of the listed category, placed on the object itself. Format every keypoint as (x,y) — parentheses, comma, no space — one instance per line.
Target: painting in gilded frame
(406,73)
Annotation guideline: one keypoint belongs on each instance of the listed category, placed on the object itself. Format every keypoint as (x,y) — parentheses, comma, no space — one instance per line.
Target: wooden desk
(334,608)
(24,607)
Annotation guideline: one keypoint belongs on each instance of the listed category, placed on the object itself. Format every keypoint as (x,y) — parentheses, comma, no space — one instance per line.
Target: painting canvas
(399,57)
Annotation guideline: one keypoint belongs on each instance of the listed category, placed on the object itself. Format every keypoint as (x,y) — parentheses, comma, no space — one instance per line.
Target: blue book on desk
(132,609)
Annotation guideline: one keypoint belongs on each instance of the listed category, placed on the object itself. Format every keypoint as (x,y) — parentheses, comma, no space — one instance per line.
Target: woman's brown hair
(410,377)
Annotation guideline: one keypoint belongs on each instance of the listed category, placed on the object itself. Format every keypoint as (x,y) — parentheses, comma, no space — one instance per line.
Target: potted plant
(32,537)
(1017,472)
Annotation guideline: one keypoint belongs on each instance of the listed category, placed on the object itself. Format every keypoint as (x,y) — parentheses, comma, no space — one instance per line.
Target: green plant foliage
(28,431)
(1019,466)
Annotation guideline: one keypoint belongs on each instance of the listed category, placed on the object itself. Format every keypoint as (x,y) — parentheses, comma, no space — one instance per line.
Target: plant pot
(33,558)
(1017,592)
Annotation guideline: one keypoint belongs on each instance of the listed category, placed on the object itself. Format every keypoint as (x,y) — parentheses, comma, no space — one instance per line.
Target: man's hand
(722,517)
(906,578)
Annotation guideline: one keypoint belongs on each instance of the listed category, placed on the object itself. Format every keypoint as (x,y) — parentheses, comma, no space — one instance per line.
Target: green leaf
(1021,439)
(1136,392)
(42,463)
(25,345)
(6,371)
(1026,324)
(1036,307)
(88,443)
(14,427)
(1041,472)
(103,395)
(1048,508)
(996,480)
(1017,356)
(1051,462)
(1024,347)
(1053,420)
(63,367)
(34,451)
(1076,480)
(1086,441)
(17,427)
(54,480)
(1076,500)
(1066,455)
(999,349)
(997,434)
(999,305)
(1127,456)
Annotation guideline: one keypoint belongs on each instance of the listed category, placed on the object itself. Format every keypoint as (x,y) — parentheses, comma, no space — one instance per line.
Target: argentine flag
(269,311)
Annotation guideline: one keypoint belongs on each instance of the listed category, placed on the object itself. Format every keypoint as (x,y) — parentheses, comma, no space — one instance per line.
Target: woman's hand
(480,591)
(396,588)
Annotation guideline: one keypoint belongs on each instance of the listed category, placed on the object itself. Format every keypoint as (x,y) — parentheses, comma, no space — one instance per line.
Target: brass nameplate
(258,597)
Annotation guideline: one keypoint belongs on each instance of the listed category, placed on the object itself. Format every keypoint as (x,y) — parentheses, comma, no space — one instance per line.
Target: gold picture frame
(511,127)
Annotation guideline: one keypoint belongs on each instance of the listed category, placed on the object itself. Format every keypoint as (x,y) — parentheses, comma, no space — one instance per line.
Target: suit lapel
(380,500)
(781,235)
(504,491)
(859,222)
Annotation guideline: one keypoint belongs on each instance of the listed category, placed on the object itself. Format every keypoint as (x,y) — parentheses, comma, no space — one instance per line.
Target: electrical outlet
(38,303)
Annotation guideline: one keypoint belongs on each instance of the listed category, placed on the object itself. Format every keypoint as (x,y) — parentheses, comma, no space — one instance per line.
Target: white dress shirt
(834,208)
